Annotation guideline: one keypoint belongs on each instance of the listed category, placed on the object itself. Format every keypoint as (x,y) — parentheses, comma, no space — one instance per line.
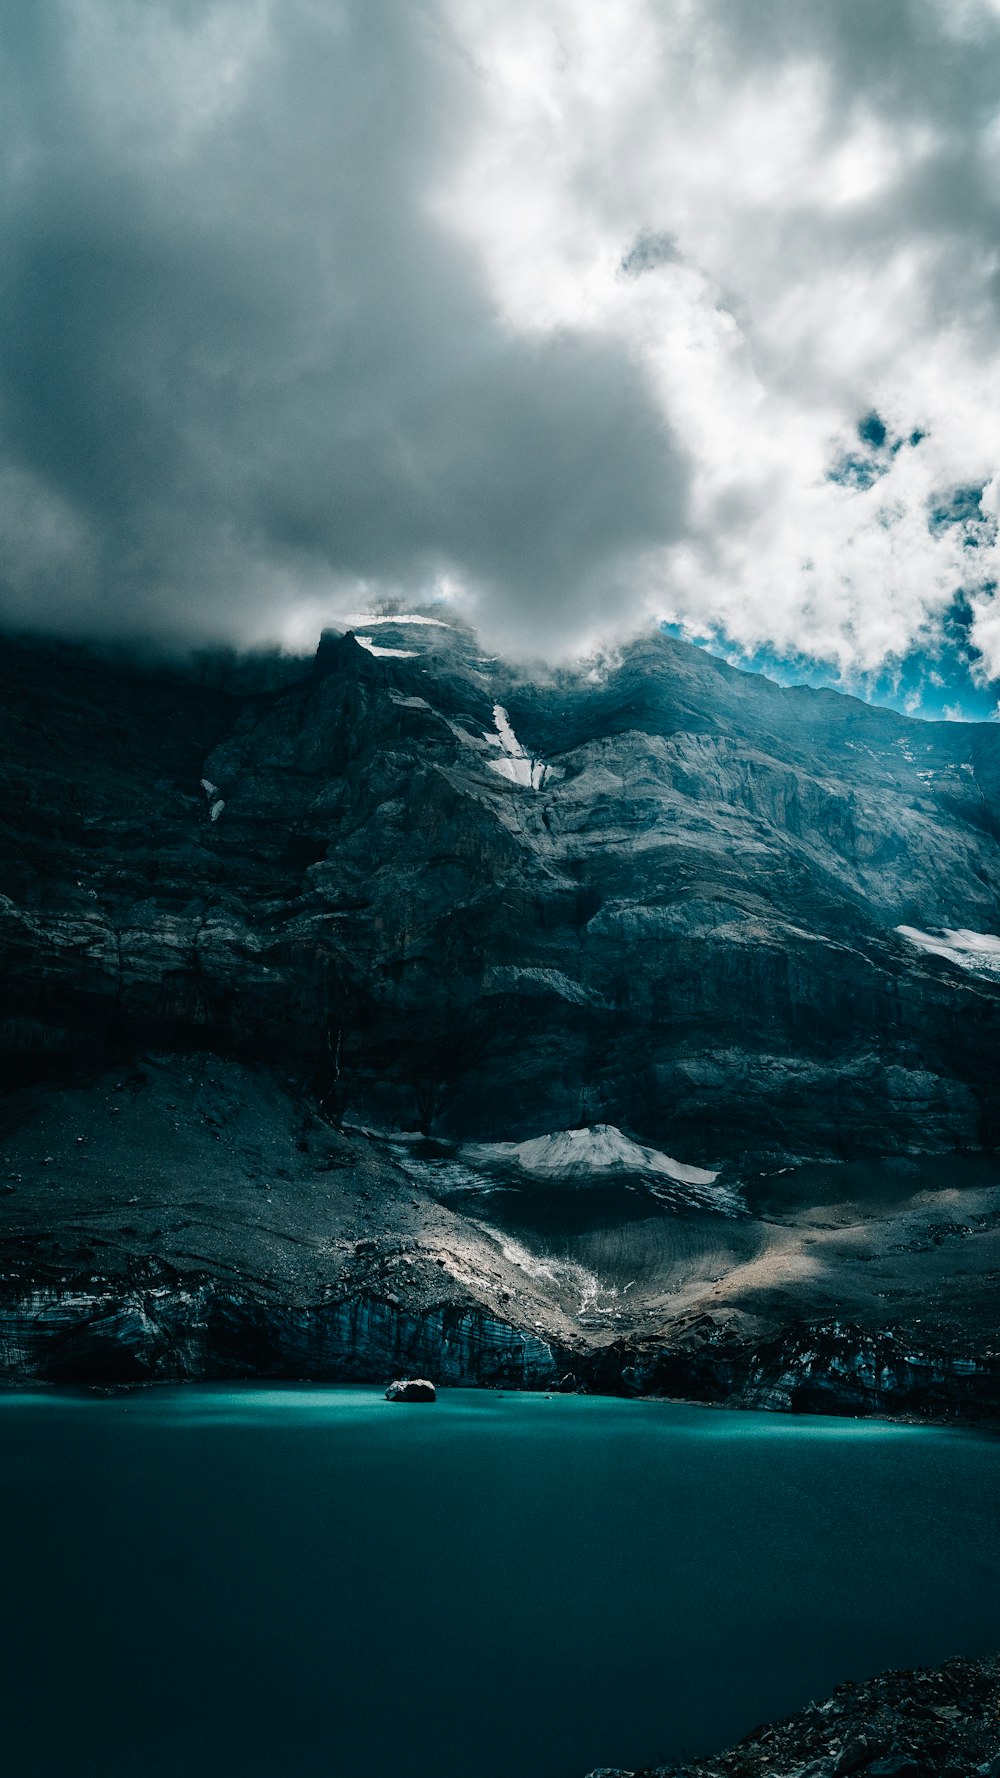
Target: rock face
(404,998)
(683,924)
(411,1389)
(941,1722)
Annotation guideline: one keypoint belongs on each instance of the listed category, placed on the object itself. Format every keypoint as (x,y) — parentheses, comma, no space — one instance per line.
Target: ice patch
(577,1159)
(573,1154)
(508,740)
(399,654)
(518,771)
(516,765)
(572,1160)
(978,952)
(212,790)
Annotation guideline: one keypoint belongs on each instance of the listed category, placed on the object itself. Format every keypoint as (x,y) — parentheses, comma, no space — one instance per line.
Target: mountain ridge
(674,912)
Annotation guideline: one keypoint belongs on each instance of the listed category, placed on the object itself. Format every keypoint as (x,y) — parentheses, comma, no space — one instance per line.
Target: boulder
(411,1389)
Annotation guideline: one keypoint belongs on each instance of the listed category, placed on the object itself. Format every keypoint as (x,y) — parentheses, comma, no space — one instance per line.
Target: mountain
(626,1023)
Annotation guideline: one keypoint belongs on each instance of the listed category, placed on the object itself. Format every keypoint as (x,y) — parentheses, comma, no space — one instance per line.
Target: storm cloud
(574,314)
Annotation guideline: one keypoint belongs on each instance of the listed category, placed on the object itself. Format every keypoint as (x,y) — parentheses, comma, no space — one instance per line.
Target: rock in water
(411,1389)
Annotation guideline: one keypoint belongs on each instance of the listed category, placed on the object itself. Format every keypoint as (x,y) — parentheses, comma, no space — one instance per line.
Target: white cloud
(802,293)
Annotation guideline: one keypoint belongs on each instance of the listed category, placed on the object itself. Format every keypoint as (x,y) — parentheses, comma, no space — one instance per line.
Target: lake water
(308,1583)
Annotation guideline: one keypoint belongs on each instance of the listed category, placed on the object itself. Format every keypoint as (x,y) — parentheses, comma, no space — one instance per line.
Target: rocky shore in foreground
(940,1722)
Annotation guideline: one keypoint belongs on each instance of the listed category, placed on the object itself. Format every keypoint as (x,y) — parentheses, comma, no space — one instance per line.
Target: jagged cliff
(563,974)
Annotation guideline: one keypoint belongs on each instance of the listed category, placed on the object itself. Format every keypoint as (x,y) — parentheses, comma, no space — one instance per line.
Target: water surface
(290,1582)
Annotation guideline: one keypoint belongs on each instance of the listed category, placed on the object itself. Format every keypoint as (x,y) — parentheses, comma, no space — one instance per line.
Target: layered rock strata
(407,1010)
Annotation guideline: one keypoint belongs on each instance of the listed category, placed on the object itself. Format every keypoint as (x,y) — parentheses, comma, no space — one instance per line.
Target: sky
(581,317)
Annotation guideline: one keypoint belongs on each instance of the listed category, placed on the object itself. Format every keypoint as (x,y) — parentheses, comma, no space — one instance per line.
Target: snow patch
(217,805)
(516,771)
(516,765)
(399,654)
(508,740)
(576,1159)
(978,952)
(573,1154)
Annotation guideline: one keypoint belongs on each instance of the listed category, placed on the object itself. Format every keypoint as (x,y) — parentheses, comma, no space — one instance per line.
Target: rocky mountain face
(561,980)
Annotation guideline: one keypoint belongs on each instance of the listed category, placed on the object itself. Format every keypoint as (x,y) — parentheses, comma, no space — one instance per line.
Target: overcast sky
(582,314)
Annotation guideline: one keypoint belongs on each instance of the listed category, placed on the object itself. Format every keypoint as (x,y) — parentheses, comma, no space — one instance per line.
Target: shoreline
(906,1723)
(101,1333)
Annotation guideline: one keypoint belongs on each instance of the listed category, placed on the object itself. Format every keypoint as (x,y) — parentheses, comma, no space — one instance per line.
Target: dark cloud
(304,302)
(238,354)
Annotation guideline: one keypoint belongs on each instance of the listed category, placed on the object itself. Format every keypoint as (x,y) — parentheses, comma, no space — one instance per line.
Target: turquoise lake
(289,1582)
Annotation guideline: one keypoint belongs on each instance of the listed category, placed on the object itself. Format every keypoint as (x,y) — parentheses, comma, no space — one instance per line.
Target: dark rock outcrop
(411,1389)
(824,1368)
(941,1722)
(194,1332)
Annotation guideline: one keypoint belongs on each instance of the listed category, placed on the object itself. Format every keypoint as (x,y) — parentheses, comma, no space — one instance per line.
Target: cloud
(589,314)
(242,366)
(823,178)
(648,251)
